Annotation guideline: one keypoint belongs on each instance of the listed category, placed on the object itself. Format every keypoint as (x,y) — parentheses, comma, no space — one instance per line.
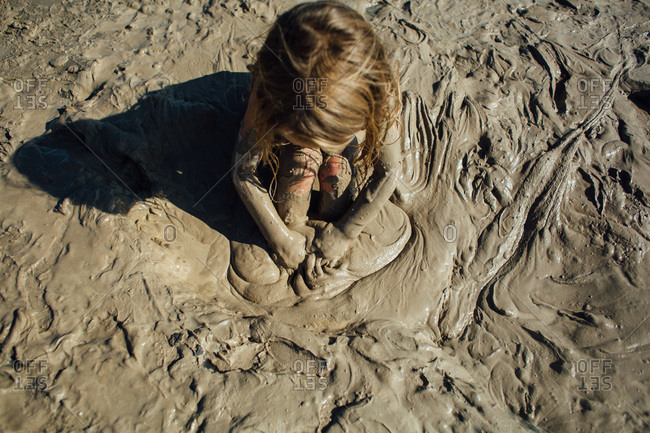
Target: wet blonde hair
(322,74)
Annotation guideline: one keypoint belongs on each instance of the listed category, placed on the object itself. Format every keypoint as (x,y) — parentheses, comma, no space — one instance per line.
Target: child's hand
(291,252)
(331,243)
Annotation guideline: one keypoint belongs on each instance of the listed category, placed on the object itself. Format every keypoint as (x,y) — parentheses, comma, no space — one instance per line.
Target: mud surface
(518,304)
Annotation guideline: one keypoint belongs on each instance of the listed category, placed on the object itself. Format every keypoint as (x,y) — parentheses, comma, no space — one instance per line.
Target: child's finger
(318,268)
(311,262)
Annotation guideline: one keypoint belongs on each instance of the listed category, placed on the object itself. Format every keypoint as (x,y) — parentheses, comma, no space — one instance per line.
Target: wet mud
(518,302)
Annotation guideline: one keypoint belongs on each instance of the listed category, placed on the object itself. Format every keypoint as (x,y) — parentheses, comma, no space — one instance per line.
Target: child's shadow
(175,143)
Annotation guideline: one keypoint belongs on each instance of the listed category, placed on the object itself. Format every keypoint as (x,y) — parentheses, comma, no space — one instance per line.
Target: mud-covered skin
(380,187)
(335,177)
(288,244)
(297,171)
(294,192)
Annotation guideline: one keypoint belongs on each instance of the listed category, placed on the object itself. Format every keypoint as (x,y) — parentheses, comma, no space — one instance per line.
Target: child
(324,103)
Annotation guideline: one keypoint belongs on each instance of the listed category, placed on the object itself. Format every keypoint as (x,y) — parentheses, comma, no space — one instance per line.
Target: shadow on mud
(175,143)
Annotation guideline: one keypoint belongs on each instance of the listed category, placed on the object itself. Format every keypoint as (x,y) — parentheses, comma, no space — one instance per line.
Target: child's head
(323,75)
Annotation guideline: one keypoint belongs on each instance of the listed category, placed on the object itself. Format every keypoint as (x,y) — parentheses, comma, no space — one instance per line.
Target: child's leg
(296,175)
(334,176)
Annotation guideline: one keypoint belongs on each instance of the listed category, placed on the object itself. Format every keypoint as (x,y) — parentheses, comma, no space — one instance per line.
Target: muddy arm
(378,190)
(289,245)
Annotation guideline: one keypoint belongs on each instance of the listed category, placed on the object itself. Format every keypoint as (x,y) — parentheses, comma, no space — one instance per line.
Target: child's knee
(298,168)
(334,174)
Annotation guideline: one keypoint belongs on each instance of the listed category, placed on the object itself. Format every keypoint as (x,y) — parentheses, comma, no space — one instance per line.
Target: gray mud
(519,302)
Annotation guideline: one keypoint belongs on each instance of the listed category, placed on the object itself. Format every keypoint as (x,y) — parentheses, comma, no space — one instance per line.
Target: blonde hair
(322,75)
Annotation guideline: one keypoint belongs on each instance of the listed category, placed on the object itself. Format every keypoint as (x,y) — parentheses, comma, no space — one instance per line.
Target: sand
(518,303)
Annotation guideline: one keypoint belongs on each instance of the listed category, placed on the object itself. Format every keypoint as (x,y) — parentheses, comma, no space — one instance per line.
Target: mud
(517,304)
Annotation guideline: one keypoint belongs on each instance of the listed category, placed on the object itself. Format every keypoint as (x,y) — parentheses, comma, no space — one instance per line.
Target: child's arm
(288,244)
(335,238)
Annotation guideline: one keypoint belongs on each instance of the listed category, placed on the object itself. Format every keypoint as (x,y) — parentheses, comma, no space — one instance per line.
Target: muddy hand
(331,244)
(314,266)
(292,252)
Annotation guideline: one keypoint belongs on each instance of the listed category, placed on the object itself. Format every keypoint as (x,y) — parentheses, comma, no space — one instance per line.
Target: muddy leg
(296,175)
(334,176)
